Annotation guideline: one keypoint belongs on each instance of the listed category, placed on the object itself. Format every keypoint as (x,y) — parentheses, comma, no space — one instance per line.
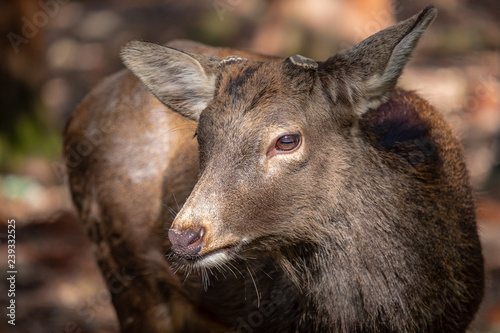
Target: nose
(186,243)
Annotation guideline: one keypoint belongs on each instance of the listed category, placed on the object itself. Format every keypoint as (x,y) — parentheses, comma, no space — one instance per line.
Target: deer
(229,191)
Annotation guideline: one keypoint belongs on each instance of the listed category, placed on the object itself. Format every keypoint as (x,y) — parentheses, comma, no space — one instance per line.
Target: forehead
(243,85)
(252,89)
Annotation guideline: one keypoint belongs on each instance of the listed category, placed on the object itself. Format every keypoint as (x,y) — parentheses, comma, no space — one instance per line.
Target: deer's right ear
(182,81)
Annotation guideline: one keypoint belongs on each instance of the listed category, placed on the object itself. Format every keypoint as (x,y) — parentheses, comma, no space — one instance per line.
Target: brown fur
(367,226)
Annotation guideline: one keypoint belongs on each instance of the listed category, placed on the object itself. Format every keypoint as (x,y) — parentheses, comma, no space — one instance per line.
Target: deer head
(278,140)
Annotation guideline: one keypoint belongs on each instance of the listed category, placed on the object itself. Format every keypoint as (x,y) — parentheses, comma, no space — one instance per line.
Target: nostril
(187,243)
(198,239)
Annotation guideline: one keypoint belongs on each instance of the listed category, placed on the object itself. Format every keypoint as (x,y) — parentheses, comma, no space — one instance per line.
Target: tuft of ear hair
(370,69)
(182,81)
(304,62)
(231,60)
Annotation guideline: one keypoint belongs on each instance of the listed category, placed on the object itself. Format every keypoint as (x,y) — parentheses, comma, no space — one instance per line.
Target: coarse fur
(366,225)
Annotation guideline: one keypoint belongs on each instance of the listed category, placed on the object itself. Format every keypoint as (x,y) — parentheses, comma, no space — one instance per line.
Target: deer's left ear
(370,69)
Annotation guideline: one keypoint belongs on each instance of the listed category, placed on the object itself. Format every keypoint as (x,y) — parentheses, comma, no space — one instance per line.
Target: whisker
(177,269)
(175,199)
(269,276)
(229,268)
(187,275)
(170,209)
(250,270)
(221,269)
(205,278)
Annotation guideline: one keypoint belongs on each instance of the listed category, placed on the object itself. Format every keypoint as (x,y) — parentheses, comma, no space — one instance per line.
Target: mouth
(213,258)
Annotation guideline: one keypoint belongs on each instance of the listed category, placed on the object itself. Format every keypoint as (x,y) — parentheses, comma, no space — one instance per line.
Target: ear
(300,73)
(182,81)
(370,69)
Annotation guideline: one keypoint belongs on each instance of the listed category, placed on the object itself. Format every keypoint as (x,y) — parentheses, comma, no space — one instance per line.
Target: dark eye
(287,142)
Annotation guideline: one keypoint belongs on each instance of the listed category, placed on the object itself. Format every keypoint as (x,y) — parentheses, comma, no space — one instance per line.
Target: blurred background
(52,52)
